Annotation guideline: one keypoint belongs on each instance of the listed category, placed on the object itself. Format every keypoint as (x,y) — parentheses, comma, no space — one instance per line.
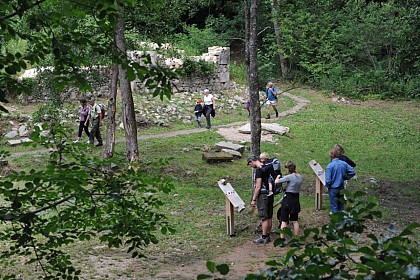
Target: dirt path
(229,131)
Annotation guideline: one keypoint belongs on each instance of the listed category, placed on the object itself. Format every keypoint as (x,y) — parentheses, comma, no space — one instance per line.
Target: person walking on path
(290,206)
(336,173)
(198,111)
(83,115)
(271,101)
(209,106)
(95,116)
(260,198)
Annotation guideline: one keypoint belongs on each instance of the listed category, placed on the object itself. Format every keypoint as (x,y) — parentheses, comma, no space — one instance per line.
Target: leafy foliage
(76,197)
(354,48)
(340,249)
(199,68)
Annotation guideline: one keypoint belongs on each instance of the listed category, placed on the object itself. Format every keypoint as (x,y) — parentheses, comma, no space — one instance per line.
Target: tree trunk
(129,119)
(275,15)
(112,105)
(255,117)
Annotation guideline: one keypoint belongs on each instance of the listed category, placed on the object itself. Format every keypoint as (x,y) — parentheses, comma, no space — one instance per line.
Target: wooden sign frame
(233,201)
(319,183)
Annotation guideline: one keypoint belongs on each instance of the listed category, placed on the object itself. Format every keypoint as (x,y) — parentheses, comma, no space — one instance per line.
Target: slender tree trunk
(128,114)
(246,13)
(255,118)
(112,105)
(275,15)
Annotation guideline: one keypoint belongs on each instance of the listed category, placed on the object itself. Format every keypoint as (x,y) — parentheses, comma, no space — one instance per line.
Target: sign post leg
(230,221)
(318,194)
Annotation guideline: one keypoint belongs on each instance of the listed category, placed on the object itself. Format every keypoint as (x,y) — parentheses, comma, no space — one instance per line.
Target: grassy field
(382,137)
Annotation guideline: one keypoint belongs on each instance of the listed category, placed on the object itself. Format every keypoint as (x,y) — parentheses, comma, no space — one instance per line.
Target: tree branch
(21,10)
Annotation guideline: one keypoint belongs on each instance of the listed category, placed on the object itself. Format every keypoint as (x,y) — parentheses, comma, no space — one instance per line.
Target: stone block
(214,157)
(234,153)
(231,146)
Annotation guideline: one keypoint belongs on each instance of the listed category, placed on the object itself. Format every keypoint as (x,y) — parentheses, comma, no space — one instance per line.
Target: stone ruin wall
(216,83)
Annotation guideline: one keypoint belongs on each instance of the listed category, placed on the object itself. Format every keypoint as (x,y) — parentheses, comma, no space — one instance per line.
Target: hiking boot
(268,116)
(99,145)
(208,127)
(262,240)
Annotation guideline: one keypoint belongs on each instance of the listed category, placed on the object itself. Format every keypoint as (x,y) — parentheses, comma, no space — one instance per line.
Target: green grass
(382,137)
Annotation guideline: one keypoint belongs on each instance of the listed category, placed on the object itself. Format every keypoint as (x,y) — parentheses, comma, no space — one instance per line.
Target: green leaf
(204,276)
(211,266)
(223,269)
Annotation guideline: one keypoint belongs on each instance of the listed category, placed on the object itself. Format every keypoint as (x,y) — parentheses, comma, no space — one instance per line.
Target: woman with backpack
(290,207)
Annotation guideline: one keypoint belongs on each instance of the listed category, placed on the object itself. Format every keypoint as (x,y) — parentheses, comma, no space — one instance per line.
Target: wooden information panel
(319,183)
(233,202)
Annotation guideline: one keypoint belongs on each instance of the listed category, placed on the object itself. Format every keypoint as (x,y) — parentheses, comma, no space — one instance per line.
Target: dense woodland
(359,49)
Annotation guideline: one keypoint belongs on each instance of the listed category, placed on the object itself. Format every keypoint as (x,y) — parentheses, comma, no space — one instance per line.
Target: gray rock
(23,132)
(11,134)
(231,146)
(13,143)
(234,153)
(270,127)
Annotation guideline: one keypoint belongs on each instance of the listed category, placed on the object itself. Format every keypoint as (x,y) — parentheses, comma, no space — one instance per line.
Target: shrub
(338,251)
(200,68)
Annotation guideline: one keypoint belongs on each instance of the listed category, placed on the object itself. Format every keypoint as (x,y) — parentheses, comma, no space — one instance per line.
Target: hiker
(209,106)
(336,172)
(343,157)
(290,206)
(271,93)
(83,125)
(198,111)
(260,197)
(96,117)
(248,106)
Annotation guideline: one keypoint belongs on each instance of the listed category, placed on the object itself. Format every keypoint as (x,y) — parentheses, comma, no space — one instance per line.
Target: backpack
(277,188)
(103,110)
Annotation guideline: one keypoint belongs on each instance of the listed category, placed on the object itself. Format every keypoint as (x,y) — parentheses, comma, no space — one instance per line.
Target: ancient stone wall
(219,81)
(216,83)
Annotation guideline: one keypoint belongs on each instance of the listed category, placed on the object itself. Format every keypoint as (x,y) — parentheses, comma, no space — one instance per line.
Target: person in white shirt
(209,106)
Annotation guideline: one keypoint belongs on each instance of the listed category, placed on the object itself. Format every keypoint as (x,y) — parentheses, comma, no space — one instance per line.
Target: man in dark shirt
(260,197)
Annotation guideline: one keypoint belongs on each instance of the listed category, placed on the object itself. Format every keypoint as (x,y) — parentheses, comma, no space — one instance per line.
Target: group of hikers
(90,113)
(210,105)
(269,180)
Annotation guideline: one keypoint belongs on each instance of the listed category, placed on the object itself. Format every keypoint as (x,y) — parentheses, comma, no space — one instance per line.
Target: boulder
(230,146)
(11,134)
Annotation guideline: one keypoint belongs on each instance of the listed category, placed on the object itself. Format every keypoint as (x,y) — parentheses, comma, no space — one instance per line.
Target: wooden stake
(230,219)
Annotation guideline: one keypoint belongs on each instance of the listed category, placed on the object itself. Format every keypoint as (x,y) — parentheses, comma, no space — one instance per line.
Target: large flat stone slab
(230,146)
(270,127)
(213,157)
(234,153)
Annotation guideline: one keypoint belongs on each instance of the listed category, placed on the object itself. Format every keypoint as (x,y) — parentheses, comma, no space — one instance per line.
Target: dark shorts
(265,206)
(290,208)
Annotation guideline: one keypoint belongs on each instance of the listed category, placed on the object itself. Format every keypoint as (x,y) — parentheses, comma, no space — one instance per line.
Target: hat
(198,100)
(252,157)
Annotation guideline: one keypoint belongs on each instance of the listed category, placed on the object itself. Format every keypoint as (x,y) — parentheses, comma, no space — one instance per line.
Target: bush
(337,251)
(200,68)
